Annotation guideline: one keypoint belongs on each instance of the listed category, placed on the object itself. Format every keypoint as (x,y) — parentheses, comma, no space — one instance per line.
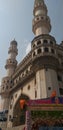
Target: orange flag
(22,103)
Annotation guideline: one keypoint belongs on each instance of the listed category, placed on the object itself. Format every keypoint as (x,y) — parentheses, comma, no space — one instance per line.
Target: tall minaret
(41,22)
(11,63)
(43,53)
(7,81)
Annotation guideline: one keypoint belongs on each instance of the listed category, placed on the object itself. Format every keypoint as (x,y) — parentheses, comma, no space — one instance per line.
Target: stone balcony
(13,49)
(10,62)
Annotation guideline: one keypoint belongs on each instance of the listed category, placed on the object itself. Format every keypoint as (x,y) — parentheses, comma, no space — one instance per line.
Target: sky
(16,23)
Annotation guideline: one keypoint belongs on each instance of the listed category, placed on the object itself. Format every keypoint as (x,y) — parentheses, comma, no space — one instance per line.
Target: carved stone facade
(39,73)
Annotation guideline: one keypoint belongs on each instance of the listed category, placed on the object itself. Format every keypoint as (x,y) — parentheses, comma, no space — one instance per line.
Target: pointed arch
(18,112)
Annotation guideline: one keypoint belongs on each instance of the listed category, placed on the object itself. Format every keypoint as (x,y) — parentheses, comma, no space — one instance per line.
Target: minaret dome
(41,22)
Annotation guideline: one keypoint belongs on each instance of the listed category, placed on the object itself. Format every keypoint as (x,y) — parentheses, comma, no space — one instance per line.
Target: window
(26,71)
(37,18)
(39,42)
(11,106)
(3,88)
(59,78)
(46,49)
(42,17)
(11,81)
(33,45)
(39,51)
(28,87)
(7,81)
(51,42)
(52,50)
(10,86)
(45,41)
(62,63)
(23,75)
(35,94)
(61,91)
(35,80)
(10,117)
(49,88)
(33,54)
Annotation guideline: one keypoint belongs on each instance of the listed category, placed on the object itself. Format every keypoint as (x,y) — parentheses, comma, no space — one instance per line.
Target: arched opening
(46,49)
(34,54)
(39,51)
(52,50)
(37,18)
(45,41)
(20,110)
(33,45)
(51,42)
(39,42)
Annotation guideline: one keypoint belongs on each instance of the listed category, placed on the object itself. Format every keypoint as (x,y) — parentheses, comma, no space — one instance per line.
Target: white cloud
(28,48)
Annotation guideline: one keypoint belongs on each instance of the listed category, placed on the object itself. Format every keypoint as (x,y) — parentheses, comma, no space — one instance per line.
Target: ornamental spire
(41,22)
(39,1)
